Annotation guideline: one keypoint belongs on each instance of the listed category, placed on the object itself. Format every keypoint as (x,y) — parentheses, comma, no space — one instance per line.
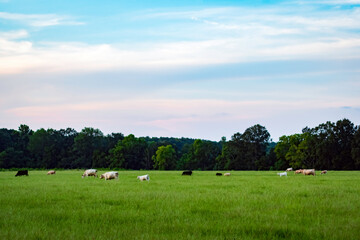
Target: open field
(246,205)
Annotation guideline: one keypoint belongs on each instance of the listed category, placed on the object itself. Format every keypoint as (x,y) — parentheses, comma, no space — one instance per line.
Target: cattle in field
(144,177)
(324,172)
(289,169)
(90,172)
(282,174)
(218,174)
(298,171)
(226,174)
(109,175)
(187,172)
(22,173)
(51,172)
(309,172)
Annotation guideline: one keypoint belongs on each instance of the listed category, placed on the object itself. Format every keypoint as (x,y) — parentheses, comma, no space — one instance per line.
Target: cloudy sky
(199,69)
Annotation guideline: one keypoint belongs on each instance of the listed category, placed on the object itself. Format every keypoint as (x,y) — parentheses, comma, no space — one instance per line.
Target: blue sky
(200,69)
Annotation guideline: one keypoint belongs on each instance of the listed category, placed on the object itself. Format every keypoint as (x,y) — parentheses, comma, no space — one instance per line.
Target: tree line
(333,146)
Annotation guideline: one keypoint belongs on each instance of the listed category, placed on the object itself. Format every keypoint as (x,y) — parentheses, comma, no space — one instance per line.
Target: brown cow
(51,172)
(323,172)
(299,171)
(309,172)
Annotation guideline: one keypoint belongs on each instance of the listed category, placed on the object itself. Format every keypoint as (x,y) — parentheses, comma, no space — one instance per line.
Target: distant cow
(187,172)
(51,172)
(22,173)
(298,171)
(227,174)
(324,172)
(289,169)
(144,177)
(109,175)
(282,174)
(218,174)
(89,172)
(309,172)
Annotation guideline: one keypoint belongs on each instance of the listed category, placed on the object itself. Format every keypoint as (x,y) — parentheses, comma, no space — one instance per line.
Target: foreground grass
(246,205)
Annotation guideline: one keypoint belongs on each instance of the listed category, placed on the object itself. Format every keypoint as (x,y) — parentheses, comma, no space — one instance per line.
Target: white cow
(89,172)
(109,175)
(144,177)
(289,169)
(282,174)
(227,174)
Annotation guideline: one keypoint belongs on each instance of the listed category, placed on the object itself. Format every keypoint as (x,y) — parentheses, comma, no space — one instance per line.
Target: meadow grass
(246,205)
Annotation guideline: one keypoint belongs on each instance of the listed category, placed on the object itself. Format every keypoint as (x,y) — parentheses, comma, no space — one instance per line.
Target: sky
(197,69)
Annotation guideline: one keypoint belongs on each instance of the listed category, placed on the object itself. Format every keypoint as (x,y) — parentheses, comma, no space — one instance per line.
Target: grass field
(246,205)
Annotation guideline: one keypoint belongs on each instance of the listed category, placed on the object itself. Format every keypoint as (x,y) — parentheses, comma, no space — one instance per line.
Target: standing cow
(187,172)
(22,173)
(89,172)
(144,177)
(309,172)
(109,175)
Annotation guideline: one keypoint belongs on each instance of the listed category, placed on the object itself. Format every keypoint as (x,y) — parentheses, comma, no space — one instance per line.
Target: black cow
(187,172)
(22,173)
(218,174)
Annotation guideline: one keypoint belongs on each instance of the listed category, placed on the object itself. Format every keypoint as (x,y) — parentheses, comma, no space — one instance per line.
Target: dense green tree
(355,148)
(245,151)
(129,153)
(85,145)
(201,155)
(165,158)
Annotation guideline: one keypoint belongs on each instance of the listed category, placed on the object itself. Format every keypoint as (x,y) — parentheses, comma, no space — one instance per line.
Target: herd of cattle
(115,175)
(303,171)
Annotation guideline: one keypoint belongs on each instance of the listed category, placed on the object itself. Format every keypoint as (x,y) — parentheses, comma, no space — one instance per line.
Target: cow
(289,169)
(324,172)
(226,174)
(22,173)
(90,172)
(298,171)
(51,172)
(282,174)
(309,172)
(187,172)
(109,175)
(144,177)
(218,174)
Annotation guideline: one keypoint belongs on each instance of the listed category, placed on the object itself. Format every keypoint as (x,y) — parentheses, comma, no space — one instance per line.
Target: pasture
(246,205)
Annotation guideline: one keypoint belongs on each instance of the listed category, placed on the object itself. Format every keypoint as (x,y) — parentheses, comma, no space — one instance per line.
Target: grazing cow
(187,172)
(51,172)
(282,174)
(227,174)
(218,174)
(309,172)
(298,171)
(22,173)
(109,175)
(289,169)
(144,177)
(90,172)
(324,172)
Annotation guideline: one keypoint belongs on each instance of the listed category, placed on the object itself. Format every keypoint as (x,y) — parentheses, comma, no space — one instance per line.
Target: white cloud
(331,2)
(39,20)
(14,34)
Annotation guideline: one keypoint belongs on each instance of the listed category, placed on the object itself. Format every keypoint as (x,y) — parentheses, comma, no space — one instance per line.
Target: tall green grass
(246,205)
